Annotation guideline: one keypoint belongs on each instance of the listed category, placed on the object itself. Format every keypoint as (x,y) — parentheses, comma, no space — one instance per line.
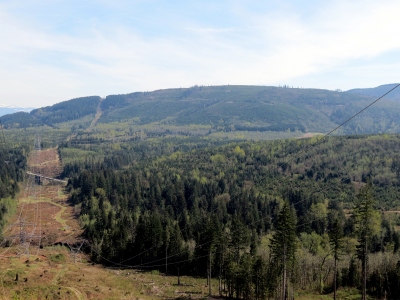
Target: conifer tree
(283,245)
(367,224)
(335,239)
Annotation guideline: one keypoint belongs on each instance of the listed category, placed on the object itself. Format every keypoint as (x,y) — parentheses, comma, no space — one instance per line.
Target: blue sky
(52,51)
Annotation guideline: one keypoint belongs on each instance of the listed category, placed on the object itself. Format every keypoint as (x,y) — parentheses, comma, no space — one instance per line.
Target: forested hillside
(12,166)
(180,181)
(50,115)
(252,108)
(5,110)
(203,110)
(67,110)
(20,120)
(231,204)
(379,91)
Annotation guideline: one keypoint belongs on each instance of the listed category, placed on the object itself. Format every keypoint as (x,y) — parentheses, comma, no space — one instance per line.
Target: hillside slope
(51,115)
(379,91)
(5,110)
(225,108)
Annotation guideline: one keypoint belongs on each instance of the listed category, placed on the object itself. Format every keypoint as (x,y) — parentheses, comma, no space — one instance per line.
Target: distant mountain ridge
(50,115)
(5,110)
(379,91)
(227,108)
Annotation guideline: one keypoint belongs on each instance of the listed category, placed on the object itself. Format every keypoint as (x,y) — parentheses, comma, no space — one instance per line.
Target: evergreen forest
(12,166)
(268,219)
(229,183)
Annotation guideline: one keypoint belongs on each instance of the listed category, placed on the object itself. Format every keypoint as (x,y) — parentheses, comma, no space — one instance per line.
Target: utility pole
(75,250)
(38,143)
(24,238)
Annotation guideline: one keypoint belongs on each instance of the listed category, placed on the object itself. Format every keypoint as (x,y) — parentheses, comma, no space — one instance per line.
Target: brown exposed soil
(96,117)
(44,215)
(46,162)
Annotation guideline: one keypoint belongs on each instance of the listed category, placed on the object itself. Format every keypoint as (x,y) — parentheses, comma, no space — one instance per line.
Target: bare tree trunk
(334,280)
(284,274)
(321,277)
(209,276)
(364,285)
(220,278)
(257,285)
(166,260)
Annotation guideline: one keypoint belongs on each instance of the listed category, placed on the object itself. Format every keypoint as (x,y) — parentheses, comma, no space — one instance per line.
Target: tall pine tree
(367,224)
(336,241)
(283,246)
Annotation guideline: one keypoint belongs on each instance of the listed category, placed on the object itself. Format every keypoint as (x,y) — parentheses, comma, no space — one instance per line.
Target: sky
(54,50)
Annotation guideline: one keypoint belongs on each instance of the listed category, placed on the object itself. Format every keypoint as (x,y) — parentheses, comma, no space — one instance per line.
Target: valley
(153,195)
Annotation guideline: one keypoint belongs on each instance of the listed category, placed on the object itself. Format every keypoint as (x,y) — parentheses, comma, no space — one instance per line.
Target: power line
(145,265)
(355,115)
(333,130)
(348,120)
(147,250)
(336,128)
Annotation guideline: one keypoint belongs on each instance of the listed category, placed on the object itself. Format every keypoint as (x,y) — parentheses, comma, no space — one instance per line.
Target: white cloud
(40,67)
(339,33)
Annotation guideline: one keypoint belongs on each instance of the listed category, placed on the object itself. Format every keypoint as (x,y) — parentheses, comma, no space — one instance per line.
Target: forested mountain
(50,115)
(228,203)
(252,108)
(5,110)
(67,110)
(226,109)
(20,120)
(379,91)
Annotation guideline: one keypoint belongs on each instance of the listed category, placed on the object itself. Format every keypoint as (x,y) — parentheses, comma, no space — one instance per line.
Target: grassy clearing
(255,135)
(69,155)
(342,294)
(52,275)
(57,216)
